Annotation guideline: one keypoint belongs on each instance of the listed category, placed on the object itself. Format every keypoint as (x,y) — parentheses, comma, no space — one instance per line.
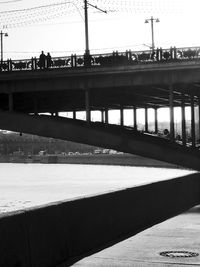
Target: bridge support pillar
(87,105)
(74,114)
(10,101)
(135,117)
(121,116)
(146,119)
(102,116)
(171,112)
(183,119)
(156,120)
(106,116)
(192,120)
(199,115)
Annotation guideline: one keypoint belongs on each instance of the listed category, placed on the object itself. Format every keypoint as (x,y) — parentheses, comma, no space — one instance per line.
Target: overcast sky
(58,26)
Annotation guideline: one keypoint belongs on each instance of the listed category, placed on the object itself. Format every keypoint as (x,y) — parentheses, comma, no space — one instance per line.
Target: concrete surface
(67,231)
(181,233)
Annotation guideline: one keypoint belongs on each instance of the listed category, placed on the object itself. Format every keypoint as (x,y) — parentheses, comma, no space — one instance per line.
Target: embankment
(67,231)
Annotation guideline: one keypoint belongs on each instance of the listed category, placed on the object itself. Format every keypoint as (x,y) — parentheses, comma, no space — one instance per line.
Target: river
(28,185)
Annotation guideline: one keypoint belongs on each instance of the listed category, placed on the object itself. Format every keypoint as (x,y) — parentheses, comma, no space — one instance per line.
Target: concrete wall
(68,231)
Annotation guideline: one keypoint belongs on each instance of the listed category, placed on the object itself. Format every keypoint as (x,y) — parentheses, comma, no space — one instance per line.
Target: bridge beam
(98,134)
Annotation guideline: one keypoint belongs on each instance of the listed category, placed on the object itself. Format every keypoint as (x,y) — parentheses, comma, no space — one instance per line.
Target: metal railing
(115,58)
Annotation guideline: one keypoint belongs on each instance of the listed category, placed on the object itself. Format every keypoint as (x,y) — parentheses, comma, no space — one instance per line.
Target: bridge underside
(103,135)
(92,225)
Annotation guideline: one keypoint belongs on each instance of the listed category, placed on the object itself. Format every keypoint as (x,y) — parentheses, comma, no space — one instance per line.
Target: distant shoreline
(99,159)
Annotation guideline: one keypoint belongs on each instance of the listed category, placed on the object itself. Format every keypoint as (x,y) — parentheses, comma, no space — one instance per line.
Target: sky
(57,26)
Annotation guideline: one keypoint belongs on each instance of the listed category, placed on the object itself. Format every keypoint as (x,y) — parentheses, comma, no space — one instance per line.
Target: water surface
(28,185)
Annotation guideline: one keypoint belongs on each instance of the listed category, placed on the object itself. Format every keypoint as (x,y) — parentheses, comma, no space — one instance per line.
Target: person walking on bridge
(49,61)
(42,60)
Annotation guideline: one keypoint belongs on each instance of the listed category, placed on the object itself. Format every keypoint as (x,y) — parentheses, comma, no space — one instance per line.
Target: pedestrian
(42,60)
(49,61)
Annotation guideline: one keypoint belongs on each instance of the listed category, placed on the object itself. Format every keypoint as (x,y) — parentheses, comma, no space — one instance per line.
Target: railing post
(36,66)
(72,60)
(171,111)
(161,53)
(8,64)
(75,61)
(32,63)
(192,120)
(183,118)
(175,53)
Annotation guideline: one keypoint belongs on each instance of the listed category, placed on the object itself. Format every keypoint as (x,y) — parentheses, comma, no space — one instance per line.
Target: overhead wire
(36,14)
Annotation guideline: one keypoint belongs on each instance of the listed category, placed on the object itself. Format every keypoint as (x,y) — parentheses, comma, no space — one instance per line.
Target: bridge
(29,91)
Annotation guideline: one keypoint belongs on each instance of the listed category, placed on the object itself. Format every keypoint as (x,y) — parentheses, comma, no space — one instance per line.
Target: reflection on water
(27,185)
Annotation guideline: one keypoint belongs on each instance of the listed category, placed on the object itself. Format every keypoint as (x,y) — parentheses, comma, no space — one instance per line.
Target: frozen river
(28,185)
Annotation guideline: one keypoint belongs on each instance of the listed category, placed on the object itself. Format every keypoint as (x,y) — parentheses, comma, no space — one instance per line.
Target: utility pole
(86,4)
(152,30)
(87,51)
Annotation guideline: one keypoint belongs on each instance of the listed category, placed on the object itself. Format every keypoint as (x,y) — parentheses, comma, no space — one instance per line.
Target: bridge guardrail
(115,58)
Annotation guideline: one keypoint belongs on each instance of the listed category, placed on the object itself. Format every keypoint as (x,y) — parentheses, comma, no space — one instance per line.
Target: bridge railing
(109,59)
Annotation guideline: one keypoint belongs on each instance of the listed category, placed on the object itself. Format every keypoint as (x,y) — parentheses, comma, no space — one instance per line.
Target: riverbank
(97,159)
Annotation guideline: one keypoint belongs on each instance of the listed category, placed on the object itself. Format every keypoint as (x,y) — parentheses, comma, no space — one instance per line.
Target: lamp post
(87,51)
(152,30)
(6,35)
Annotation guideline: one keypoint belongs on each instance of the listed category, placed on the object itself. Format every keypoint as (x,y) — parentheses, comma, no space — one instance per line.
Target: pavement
(180,235)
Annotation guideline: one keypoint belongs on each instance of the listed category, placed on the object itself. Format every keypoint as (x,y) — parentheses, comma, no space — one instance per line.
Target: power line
(34,15)
(8,2)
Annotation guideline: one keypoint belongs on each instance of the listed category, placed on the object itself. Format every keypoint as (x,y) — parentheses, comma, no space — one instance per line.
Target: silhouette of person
(49,61)
(42,60)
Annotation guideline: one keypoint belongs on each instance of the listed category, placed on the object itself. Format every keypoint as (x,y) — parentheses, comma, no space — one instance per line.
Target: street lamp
(6,35)
(152,31)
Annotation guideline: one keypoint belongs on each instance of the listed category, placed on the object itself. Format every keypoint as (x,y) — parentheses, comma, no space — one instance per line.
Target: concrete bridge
(131,80)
